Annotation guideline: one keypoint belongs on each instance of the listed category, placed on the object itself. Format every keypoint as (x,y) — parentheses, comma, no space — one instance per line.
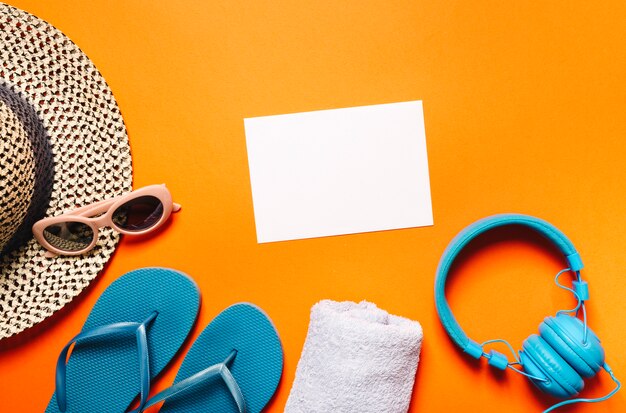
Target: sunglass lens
(69,236)
(138,214)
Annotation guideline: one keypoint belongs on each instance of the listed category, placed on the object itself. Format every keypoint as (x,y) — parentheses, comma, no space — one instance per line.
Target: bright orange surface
(524,109)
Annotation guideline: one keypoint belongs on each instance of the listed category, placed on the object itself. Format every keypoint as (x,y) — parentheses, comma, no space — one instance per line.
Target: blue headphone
(565,351)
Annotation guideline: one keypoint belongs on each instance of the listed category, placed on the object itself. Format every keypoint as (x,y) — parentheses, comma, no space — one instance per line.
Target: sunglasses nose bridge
(101,221)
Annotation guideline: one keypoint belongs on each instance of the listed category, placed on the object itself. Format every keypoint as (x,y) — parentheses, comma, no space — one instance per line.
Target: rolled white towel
(357,358)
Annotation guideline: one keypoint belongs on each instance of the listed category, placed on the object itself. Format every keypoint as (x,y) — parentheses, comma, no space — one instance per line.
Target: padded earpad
(565,335)
(539,359)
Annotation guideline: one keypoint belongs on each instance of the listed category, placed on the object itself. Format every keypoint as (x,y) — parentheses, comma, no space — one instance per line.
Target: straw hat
(63,144)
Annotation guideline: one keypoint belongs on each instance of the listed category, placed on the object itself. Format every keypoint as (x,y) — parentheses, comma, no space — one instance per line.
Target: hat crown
(25,161)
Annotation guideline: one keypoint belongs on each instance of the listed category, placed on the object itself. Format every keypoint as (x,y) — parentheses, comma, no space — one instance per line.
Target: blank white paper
(339,171)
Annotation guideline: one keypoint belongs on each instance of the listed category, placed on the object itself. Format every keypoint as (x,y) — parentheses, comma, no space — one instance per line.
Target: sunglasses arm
(93,209)
(102,206)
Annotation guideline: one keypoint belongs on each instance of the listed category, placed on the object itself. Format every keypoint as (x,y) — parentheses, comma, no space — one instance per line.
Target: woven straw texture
(91,158)
(18,166)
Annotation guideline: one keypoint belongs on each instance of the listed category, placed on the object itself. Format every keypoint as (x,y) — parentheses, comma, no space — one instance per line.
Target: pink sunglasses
(135,213)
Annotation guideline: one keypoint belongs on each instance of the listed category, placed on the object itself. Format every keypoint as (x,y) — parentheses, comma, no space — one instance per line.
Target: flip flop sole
(103,374)
(257,368)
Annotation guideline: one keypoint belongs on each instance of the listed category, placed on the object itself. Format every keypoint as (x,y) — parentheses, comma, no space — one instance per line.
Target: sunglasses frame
(106,207)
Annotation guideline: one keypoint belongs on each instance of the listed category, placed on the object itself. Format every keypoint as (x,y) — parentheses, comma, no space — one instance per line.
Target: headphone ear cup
(541,360)
(565,334)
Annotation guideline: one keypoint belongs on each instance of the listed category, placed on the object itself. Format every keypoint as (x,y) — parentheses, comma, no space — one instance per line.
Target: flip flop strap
(111,329)
(220,369)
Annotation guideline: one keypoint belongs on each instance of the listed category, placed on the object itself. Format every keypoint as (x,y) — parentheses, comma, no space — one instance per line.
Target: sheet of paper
(339,171)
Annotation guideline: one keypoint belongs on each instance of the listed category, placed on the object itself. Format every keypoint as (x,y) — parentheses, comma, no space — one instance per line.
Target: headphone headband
(459,242)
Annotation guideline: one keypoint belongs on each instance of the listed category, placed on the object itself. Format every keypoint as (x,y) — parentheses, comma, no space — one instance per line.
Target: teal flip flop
(133,331)
(234,366)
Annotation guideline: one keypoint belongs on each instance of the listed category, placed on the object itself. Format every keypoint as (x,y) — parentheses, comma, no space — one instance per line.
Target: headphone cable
(599,399)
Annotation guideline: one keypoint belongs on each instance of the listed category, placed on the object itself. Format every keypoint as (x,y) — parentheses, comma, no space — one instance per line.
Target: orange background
(524,107)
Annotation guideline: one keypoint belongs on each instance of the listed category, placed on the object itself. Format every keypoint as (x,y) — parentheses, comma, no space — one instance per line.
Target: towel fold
(357,358)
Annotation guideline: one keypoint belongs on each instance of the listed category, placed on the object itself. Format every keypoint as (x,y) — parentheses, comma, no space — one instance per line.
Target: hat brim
(91,162)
